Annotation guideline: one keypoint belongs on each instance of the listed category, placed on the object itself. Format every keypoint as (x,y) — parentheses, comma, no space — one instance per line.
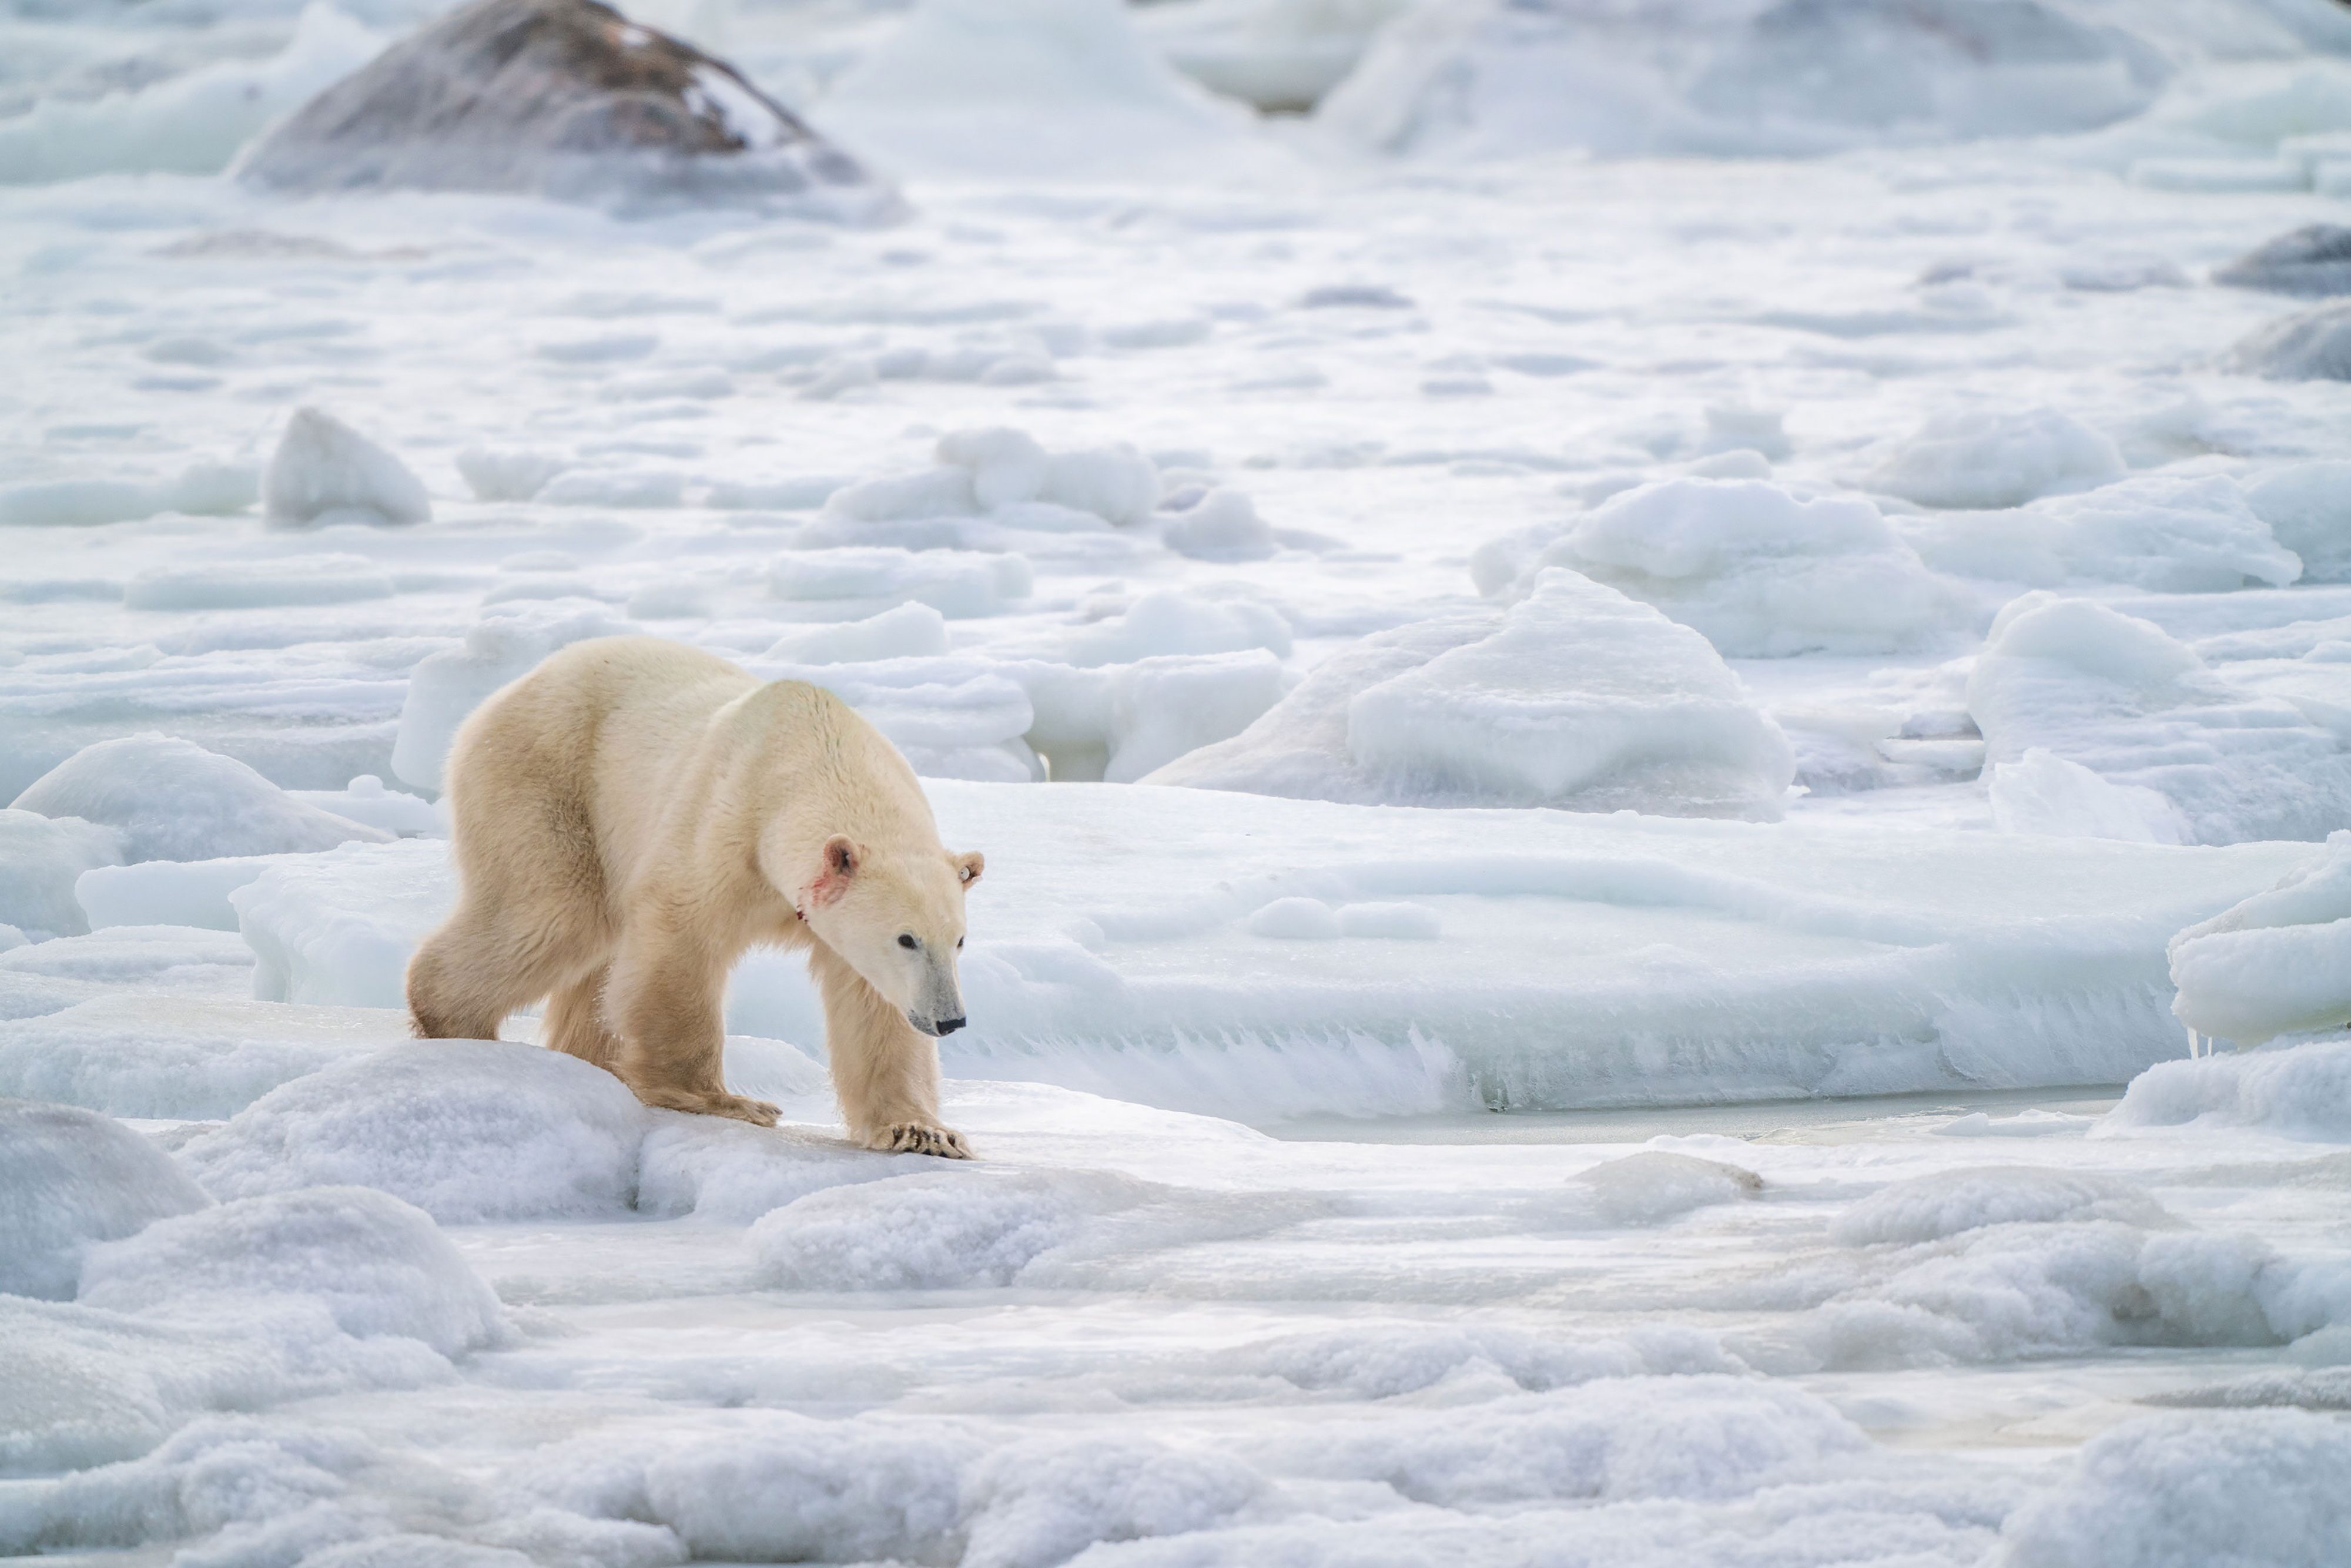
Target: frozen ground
(1643,745)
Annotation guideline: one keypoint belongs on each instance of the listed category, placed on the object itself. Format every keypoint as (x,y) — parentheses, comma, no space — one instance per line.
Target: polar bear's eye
(907,940)
(958,943)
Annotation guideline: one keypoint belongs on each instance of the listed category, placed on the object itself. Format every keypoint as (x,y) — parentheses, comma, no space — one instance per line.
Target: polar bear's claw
(916,1138)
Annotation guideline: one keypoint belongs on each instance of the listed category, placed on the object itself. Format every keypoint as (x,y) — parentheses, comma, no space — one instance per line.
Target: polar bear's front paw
(921,1138)
(742,1108)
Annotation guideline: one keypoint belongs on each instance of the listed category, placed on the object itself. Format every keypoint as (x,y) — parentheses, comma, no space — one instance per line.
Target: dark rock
(2308,346)
(558,98)
(2313,262)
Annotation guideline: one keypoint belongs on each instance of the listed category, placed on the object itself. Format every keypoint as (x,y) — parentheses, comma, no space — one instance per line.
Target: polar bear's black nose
(948,1026)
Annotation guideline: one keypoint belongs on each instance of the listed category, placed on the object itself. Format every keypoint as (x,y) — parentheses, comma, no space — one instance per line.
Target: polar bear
(632,815)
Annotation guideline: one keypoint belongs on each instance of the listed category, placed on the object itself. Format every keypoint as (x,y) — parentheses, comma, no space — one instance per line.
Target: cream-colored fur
(632,815)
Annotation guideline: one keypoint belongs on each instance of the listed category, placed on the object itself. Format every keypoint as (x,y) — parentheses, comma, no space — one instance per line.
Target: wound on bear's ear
(839,858)
(969,866)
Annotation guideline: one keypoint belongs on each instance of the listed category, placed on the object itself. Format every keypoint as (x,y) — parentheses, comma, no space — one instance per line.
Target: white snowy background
(1708,575)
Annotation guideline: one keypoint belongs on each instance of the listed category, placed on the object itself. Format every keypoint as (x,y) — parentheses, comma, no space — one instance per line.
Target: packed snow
(1659,698)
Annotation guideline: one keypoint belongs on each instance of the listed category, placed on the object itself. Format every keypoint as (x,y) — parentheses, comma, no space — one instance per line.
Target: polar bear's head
(897,919)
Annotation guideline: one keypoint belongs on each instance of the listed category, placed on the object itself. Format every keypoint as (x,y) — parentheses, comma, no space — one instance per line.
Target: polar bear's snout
(939,1010)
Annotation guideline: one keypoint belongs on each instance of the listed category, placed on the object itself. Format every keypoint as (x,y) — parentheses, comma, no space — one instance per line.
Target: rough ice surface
(173,800)
(1376,1163)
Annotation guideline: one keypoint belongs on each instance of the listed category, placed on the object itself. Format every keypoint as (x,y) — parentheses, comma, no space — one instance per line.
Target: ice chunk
(1575,697)
(2041,792)
(2312,260)
(1117,483)
(41,858)
(1295,919)
(564,98)
(325,471)
(508,474)
(1044,1502)
(1161,708)
(2278,963)
(1177,621)
(1655,1186)
(2271,1487)
(1947,1203)
(178,1056)
(167,893)
(1002,471)
(467,1131)
(203,489)
(960,584)
(1981,459)
(1223,525)
(2312,345)
(2298,1088)
(505,644)
(2120,696)
(336,929)
(70,1177)
(944,490)
(2164,532)
(375,1265)
(910,631)
(1759,571)
(1006,466)
(2308,510)
(172,799)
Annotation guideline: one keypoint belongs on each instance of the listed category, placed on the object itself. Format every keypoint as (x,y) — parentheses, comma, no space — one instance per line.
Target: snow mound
(1575,697)
(174,801)
(41,858)
(2040,793)
(170,1056)
(2308,510)
(1949,1203)
(1736,78)
(325,471)
(1758,571)
(934,1231)
(1006,474)
(2162,532)
(2266,1489)
(961,85)
(1120,722)
(505,644)
(313,944)
(376,1266)
(2120,696)
(71,1178)
(1222,526)
(912,631)
(2299,1089)
(2312,345)
(1652,1187)
(467,1131)
(960,584)
(734,1172)
(1044,1502)
(558,98)
(1979,459)
(2279,963)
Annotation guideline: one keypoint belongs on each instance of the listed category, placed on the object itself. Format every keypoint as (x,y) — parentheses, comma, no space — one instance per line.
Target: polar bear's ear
(839,860)
(968,866)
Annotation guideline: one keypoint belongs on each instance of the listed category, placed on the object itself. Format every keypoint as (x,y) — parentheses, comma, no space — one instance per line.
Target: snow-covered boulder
(2311,345)
(1975,458)
(558,98)
(41,857)
(2159,531)
(1759,571)
(2121,697)
(325,471)
(2313,260)
(505,644)
(466,1131)
(1575,697)
(68,1178)
(173,800)
(2279,963)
